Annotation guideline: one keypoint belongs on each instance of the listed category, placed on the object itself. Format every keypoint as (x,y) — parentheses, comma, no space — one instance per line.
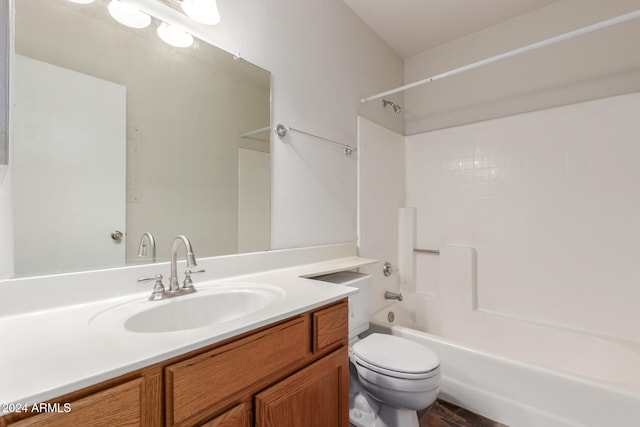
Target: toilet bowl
(390,377)
(394,378)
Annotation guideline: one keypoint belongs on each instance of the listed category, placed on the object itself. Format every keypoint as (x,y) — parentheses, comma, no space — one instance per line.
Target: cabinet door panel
(314,397)
(330,326)
(116,406)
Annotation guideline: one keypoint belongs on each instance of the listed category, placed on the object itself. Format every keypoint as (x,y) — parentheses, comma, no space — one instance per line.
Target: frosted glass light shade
(128,15)
(202,11)
(82,1)
(174,36)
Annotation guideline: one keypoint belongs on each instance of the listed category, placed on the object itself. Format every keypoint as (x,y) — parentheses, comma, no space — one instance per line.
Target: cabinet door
(316,396)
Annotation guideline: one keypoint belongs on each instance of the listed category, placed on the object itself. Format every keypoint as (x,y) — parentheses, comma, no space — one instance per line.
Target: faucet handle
(157,277)
(188,283)
(158,288)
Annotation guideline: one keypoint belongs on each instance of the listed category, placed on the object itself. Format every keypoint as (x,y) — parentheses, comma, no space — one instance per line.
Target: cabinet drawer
(116,406)
(330,325)
(205,384)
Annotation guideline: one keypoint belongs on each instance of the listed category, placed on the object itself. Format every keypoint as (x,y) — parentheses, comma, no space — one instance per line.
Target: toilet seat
(395,357)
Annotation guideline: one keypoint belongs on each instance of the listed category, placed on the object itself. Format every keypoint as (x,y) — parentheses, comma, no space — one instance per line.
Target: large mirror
(116,134)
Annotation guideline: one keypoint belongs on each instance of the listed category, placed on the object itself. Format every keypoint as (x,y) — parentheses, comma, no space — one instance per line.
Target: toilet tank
(360,303)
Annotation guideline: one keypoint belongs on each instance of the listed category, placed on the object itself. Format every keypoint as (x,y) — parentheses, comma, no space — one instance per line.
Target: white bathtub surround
(547,200)
(51,348)
(381,182)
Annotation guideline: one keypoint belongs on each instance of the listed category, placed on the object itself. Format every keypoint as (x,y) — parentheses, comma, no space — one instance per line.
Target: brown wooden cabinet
(316,396)
(238,416)
(120,405)
(292,373)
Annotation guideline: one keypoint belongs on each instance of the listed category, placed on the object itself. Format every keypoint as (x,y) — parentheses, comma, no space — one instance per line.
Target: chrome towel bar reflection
(427,251)
(253,132)
(281,131)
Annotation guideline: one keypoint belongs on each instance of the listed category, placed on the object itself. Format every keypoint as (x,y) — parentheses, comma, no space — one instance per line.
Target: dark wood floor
(444,414)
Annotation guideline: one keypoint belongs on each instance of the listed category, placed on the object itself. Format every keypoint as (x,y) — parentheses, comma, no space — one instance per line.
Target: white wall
(596,65)
(549,201)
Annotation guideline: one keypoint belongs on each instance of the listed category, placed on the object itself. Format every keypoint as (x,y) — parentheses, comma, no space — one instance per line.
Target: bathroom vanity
(282,365)
(278,375)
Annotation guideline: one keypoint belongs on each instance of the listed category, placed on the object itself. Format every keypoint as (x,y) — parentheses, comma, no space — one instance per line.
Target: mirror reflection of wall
(187,168)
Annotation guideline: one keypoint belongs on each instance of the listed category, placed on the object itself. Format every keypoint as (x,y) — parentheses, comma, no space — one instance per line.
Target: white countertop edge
(45,387)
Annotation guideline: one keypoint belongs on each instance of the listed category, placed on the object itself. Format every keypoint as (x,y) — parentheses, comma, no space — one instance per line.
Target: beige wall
(323,60)
(592,66)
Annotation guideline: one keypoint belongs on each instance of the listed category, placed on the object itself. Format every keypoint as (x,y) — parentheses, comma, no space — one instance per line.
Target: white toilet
(390,377)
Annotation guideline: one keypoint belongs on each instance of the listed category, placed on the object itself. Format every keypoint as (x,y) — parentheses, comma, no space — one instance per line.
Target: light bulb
(174,36)
(128,15)
(202,11)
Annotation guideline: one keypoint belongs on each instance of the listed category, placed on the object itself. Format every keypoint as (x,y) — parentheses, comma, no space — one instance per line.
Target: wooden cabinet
(288,374)
(129,403)
(238,416)
(207,383)
(330,326)
(119,405)
(316,396)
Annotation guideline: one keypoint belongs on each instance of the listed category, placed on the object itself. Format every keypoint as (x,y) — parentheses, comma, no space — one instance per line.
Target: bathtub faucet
(393,295)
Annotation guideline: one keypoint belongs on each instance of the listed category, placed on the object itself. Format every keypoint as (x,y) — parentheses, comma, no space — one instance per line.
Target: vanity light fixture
(202,11)
(82,1)
(128,15)
(174,36)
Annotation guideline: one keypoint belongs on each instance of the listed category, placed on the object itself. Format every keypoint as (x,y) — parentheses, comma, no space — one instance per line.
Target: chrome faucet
(393,295)
(174,284)
(142,247)
(174,289)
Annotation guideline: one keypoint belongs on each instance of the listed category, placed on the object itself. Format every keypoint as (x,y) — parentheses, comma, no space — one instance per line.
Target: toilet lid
(396,356)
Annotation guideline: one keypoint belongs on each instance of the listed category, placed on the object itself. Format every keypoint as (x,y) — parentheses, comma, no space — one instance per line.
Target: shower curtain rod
(547,42)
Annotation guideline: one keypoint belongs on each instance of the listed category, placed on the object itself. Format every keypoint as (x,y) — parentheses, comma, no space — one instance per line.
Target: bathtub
(525,374)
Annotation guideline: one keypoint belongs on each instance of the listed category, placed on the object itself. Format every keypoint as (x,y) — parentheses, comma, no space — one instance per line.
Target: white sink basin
(205,308)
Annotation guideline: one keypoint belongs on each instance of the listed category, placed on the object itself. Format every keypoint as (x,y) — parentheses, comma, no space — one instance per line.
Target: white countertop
(50,352)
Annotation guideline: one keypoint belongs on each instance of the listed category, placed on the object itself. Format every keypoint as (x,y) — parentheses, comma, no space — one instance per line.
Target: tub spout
(393,295)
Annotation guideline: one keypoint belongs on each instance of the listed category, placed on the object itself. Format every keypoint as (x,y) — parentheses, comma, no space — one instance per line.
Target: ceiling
(413,26)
